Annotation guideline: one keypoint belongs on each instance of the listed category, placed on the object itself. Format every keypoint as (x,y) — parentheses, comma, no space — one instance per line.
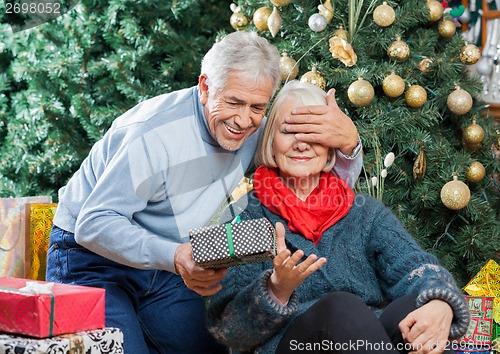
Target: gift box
(487,283)
(107,340)
(42,309)
(479,332)
(233,244)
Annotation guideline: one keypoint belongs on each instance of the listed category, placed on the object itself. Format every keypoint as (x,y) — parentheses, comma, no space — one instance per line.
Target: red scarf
(327,204)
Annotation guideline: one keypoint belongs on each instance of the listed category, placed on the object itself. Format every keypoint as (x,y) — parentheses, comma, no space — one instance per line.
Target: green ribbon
(51,326)
(230,245)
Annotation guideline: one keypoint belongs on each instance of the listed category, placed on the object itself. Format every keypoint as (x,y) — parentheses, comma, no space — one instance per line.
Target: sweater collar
(202,119)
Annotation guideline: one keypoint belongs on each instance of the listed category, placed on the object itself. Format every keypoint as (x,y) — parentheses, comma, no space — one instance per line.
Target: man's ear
(203,88)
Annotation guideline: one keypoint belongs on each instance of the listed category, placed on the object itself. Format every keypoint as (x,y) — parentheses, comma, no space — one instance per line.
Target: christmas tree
(62,83)
(400,72)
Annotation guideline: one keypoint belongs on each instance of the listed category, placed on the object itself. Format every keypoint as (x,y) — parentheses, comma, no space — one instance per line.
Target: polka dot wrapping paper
(230,245)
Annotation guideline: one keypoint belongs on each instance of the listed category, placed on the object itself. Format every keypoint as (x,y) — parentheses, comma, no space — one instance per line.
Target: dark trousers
(342,323)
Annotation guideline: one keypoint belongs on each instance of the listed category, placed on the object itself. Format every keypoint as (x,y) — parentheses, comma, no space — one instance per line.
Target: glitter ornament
(315,78)
(260,17)
(398,50)
(459,101)
(340,32)
(360,92)
(447,28)
(470,54)
(416,96)
(425,65)
(326,12)
(274,22)
(435,10)
(384,15)
(473,134)
(317,22)
(393,85)
(288,68)
(280,2)
(238,21)
(455,194)
(475,172)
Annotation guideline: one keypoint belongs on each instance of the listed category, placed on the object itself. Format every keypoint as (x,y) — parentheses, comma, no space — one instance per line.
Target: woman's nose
(301,145)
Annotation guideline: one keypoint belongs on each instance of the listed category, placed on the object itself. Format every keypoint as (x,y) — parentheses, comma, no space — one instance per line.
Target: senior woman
(347,278)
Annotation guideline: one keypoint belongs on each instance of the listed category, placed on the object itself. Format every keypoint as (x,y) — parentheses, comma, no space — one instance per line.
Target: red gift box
(64,309)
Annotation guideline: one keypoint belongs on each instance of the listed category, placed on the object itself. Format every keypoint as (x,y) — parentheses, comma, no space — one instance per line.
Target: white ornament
(374,181)
(389,159)
(383,173)
(484,66)
(317,22)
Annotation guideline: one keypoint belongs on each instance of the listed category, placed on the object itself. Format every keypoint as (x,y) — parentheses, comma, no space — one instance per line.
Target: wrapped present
(13,240)
(42,309)
(232,244)
(479,332)
(37,238)
(107,340)
(487,283)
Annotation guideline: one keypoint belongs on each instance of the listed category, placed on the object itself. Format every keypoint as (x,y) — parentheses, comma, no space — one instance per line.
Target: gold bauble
(288,68)
(260,17)
(459,101)
(470,54)
(238,21)
(315,78)
(471,147)
(340,32)
(473,134)
(447,28)
(393,85)
(435,10)
(280,2)
(455,194)
(361,92)
(384,15)
(475,172)
(398,50)
(274,22)
(416,96)
(425,65)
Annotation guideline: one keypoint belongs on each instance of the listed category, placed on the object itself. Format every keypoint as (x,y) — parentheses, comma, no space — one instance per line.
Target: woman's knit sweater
(369,254)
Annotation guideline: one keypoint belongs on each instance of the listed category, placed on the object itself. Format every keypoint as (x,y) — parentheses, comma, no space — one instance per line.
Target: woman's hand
(287,274)
(428,327)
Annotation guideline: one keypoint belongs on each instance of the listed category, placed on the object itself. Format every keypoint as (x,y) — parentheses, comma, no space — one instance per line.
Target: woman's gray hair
(246,52)
(307,94)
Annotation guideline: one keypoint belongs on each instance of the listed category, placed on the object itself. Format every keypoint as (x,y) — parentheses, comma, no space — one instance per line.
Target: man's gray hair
(252,56)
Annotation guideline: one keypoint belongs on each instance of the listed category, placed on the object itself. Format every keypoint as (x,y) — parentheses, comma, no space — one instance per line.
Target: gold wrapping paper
(40,223)
(487,283)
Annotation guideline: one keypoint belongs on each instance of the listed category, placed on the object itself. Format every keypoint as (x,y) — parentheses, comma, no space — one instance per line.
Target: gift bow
(34,287)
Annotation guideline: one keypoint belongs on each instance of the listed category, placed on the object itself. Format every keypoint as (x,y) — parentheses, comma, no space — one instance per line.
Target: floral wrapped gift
(107,340)
(232,244)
